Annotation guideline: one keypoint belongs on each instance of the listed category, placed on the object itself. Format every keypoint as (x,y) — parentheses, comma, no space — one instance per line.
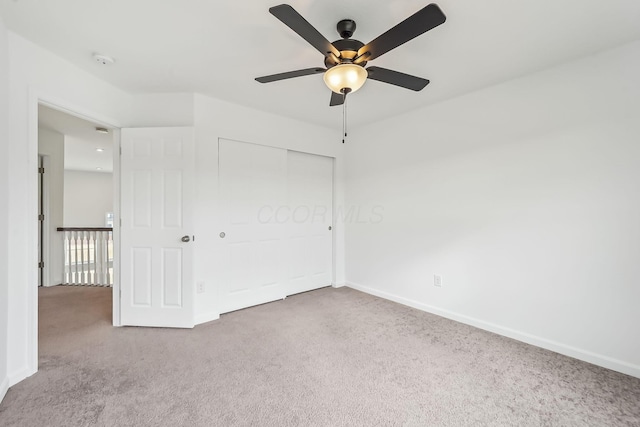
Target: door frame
(36,98)
(44,273)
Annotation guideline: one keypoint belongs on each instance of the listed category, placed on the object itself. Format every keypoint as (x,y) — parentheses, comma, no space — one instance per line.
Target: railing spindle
(87,258)
(98,256)
(76,273)
(74,257)
(103,260)
(92,258)
(65,263)
(109,266)
(81,261)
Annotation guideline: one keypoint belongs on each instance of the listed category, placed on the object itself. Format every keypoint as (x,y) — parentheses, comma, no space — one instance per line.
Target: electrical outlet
(437,280)
(200,286)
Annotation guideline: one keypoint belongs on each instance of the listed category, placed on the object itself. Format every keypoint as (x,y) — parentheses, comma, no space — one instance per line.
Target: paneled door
(310,242)
(157,174)
(275,233)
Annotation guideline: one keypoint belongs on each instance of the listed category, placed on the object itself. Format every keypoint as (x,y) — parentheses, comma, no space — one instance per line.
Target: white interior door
(157,174)
(252,185)
(278,212)
(310,196)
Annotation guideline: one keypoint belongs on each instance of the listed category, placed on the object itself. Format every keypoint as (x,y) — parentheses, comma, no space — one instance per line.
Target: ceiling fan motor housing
(348,50)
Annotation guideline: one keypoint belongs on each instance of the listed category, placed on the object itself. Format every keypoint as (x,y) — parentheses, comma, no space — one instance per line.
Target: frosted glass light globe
(344,76)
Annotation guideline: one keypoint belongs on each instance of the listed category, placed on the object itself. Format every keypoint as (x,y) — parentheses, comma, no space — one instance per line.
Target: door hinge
(40,170)
(121,151)
(41,264)
(41,217)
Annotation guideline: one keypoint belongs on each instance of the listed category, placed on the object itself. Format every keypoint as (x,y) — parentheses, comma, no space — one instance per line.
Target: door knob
(186,239)
(222,235)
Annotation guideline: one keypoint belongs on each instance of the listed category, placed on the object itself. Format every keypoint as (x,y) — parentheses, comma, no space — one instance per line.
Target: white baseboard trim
(16,377)
(4,388)
(577,353)
(338,285)
(207,317)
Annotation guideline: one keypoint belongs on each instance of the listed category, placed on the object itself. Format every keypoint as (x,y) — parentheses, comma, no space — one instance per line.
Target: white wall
(51,146)
(162,109)
(524,196)
(88,196)
(217,119)
(34,74)
(4,207)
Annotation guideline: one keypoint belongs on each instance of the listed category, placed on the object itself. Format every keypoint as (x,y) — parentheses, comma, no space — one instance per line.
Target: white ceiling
(80,142)
(218,47)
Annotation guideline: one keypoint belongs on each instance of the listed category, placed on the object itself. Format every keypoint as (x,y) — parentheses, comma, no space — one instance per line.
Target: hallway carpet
(332,357)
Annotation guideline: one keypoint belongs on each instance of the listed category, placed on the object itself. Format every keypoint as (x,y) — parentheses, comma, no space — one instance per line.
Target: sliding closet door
(276,233)
(310,197)
(252,185)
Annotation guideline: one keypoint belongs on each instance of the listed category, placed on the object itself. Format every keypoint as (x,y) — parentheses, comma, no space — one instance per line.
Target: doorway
(78,198)
(77,202)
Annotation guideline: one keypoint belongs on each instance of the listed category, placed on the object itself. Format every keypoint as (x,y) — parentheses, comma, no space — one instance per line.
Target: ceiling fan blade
(304,29)
(290,75)
(336,99)
(419,23)
(397,78)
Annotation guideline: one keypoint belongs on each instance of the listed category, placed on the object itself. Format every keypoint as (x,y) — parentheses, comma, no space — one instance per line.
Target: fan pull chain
(344,116)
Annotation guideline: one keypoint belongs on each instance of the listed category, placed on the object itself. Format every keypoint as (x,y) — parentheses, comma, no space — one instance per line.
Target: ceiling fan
(345,59)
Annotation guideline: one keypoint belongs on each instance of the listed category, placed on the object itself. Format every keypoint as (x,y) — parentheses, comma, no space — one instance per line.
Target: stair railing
(88,256)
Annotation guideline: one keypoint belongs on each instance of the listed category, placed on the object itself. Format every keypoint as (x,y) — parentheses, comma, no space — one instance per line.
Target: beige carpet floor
(332,357)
